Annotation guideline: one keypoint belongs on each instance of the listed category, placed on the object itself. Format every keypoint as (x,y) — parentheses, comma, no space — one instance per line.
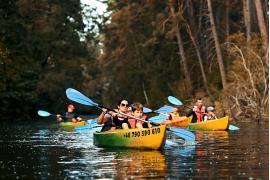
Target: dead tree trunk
(261,21)
(191,31)
(227,16)
(247,18)
(217,46)
(183,61)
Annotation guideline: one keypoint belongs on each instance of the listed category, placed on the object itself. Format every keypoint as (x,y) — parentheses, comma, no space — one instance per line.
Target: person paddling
(113,120)
(69,116)
(198,111)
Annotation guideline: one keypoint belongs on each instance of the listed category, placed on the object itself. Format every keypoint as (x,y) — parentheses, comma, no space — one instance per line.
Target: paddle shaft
(101,107)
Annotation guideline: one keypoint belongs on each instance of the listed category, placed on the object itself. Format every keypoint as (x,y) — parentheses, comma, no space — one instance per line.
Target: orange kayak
(179,121)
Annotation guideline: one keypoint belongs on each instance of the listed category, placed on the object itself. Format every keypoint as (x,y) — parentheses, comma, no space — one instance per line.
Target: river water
(40,150)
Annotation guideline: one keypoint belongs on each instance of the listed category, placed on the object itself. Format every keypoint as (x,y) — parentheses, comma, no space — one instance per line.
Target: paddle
(86,128)
(47,114)
(165,109)
(177,102)
(162,111)
(146,110)
(158,118)
(233,128)
(92,121)
(44,113)
(78,97)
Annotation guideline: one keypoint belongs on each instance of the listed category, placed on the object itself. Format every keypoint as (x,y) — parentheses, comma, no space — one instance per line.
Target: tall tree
(181,51)
(247,18)
(217,45)
(227,16)
(191,31)
(261,21)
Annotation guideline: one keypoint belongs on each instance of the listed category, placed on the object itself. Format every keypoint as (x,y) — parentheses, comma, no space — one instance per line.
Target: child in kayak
(210,114)
(137,112)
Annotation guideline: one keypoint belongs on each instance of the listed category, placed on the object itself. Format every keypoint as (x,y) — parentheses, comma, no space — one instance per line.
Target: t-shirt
(69,116)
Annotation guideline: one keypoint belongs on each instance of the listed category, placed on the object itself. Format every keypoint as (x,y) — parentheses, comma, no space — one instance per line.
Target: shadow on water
(43,151)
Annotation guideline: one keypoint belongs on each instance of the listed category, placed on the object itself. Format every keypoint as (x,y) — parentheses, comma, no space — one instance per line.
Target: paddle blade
(186,135)
(87,128)
(174,101)
(92,121)
(233,128)
(165,109)
(158,118)
(78,97)
(43,113)
(146,110)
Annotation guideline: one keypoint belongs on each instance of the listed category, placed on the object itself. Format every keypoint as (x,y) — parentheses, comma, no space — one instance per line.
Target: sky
(101,7)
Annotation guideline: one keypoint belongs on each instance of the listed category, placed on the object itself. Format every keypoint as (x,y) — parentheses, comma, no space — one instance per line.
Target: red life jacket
(133,122)
(199,112)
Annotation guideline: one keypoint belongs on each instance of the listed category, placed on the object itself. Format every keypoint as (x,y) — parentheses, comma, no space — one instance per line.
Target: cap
(71,106)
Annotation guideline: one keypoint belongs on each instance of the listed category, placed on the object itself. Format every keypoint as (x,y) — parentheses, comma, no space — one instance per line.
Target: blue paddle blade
(186,135)
(174,101)
(233,128)
(158,118)
(92,121)
(146,110)
(43,113)
(165,109)
(78,97)
(187,151)
(87,128)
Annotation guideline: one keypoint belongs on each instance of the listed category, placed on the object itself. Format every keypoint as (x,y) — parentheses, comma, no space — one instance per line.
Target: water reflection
(45,152)
(139,164)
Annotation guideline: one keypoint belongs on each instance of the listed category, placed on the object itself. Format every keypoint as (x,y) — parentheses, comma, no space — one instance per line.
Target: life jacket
(174,116)
(200,112)
(133,122)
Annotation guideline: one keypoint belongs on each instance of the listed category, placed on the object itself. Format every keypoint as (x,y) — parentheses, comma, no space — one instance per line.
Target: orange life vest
(199,112)
(133,122)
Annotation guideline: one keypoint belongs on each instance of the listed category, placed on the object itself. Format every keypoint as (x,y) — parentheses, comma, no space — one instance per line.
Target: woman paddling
(114,120)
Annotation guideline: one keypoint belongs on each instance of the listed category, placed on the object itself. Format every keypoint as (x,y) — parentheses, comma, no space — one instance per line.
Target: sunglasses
(124,105)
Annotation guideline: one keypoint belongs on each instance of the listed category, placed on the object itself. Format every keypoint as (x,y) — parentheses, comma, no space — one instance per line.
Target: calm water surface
(42,151)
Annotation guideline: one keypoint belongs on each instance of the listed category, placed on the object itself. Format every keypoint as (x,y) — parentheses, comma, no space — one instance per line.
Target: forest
(143,50)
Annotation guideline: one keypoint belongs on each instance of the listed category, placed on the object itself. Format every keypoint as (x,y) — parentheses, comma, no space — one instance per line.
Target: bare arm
(101,118)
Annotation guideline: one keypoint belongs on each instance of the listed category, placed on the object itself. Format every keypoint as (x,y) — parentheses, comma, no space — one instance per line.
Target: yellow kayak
(147,138)
(211,125)
(179,121)
(71,125)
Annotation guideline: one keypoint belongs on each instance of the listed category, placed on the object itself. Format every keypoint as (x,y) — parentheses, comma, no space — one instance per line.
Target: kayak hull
(211,125)
(147,138)
(71,125)
(180,121)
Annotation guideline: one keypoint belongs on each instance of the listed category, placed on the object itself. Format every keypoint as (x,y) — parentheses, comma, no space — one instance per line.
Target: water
(42,151)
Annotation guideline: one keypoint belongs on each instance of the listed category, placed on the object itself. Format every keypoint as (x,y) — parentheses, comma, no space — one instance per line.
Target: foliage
(41,55)
(131,51)
(247,92)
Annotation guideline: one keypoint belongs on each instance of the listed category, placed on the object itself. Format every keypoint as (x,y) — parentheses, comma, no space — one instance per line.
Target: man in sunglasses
(115,120)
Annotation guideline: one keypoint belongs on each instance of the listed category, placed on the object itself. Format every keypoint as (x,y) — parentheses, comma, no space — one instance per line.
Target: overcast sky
(101,7)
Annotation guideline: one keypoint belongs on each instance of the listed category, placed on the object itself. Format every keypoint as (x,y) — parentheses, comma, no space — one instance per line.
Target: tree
(181,51)
(217,46)
(261,21)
